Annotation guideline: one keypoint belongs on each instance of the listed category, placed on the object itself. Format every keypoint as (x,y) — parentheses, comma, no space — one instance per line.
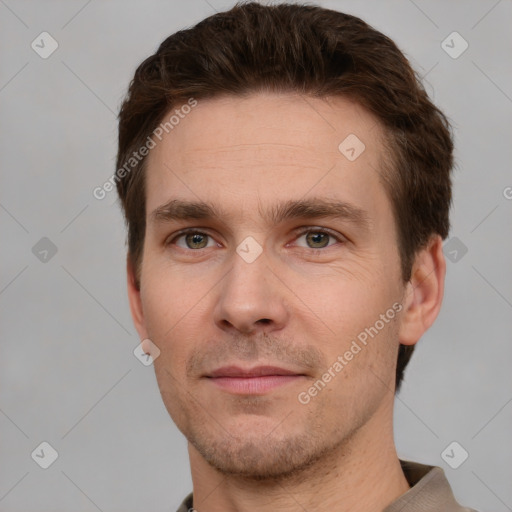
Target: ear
(424,292)
(135,300)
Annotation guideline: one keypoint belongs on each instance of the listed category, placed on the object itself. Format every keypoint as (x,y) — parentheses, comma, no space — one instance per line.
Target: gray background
(67,369)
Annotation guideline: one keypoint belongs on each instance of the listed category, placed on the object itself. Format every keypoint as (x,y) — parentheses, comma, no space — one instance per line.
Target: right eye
(193,240)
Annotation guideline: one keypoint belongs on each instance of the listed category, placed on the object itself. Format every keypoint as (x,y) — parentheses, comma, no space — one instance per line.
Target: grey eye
(317,239)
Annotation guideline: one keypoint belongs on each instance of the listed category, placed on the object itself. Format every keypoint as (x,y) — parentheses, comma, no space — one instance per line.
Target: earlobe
(424,292)
(135,300)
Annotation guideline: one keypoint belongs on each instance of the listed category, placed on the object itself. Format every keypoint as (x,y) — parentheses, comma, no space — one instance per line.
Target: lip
(252,381)
(257,371)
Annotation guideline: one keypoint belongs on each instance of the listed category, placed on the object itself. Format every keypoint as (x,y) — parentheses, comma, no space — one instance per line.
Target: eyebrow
(180,210)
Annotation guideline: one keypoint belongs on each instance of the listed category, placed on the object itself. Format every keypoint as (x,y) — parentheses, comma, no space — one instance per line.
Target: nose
(252,300)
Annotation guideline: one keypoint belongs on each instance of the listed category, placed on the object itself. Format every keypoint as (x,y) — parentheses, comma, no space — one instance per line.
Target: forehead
(268,147)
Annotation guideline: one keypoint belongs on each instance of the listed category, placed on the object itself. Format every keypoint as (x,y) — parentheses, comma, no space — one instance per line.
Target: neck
(363,474)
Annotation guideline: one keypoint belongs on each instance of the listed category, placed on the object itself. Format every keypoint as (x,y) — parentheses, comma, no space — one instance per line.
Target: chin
(261,457)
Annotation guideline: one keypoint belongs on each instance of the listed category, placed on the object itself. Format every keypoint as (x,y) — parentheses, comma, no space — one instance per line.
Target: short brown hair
(313,51)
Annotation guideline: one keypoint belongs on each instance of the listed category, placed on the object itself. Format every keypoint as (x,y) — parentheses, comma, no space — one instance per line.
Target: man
(286,185)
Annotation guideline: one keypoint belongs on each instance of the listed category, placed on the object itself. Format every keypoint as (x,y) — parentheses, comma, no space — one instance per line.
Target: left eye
(194,240)
(317,239)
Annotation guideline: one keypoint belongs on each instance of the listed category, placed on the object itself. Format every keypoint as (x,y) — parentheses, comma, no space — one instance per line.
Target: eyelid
(317,229)
(178,234)
(298,232)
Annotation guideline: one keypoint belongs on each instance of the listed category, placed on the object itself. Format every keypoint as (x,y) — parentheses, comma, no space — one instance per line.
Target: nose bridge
(250,298)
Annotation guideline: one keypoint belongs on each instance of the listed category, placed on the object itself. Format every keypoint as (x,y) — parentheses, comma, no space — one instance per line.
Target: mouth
(253,381)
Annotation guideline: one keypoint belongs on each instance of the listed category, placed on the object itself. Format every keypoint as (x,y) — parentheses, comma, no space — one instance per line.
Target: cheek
(167,307)
(167,291)
(347,300)
(368,369)
(362,327)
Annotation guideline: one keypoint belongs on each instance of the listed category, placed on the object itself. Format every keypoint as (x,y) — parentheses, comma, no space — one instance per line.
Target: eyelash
(298,234)
(318,250)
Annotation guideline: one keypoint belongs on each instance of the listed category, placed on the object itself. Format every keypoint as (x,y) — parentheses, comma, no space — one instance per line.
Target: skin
(299,305)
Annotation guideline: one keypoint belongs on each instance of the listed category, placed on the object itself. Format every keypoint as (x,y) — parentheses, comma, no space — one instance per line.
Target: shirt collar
(429,492)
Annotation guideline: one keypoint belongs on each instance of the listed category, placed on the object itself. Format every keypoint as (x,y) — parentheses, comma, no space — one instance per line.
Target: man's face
(244,334)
